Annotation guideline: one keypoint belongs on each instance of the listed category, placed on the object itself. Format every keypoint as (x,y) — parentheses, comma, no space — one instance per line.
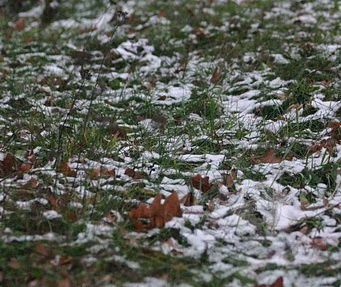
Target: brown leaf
(25,167)
(136,174)
(7,165)
(31,183)
(188,199)
(199,32)
(268,157)
(172,207)
(230,178)
(66,170)
(334,125)
(65,282)
(157,214)
(278,283)
(52,200)
(201,183)
(319,243)
(107,172)
(94,173)
(41,249)
(161,98)
(20,24)
(215,77)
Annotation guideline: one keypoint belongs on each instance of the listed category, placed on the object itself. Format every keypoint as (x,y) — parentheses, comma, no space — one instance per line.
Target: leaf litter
(258,200)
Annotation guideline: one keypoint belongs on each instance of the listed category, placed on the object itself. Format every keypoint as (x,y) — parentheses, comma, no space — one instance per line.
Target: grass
(129,111)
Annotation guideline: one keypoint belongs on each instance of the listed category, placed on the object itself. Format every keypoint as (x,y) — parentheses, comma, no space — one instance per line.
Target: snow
(221,227)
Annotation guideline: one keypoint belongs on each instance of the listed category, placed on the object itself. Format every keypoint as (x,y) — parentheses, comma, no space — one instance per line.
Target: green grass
(96,121)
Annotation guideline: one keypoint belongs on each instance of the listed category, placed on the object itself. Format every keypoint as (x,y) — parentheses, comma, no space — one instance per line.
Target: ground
(170,143)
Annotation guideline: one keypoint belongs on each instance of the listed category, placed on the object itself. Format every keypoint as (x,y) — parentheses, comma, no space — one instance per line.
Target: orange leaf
(268,157)
(201,183)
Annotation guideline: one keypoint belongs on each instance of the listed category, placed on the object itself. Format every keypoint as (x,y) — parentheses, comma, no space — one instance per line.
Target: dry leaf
(25,167)
(230,178)
(199,32)
(20,24)
(201,183)
(157,214)
(136,174)
(64,168)
(215,77)
(7,165)
(268,157)
(319,243)
(277,283)
(188,199)
(334,125)
(52,200)
(172,207)
(65,282)
(161,98)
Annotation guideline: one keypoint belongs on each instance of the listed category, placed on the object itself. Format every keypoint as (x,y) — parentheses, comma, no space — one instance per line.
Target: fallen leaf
(136,174)
(52,200)
(230,178)
(20,24)
(7,165)
(188,199)
(161,98)
(268,157)
(25,166)
(199,32)
(334,125)
(157,214)
(64,168)
(172,207)
(277,283)
(201,183)
(65,282)
(215,77)
(319,243)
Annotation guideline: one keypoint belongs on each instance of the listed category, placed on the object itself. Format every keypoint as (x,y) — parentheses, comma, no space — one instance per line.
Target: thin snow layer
(260,222)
